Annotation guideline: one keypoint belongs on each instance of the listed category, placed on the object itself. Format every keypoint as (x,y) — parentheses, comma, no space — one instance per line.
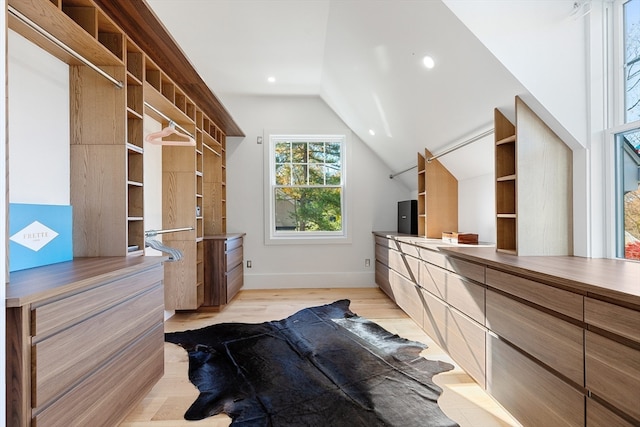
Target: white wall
(38,91)
(477,207)
(324,265)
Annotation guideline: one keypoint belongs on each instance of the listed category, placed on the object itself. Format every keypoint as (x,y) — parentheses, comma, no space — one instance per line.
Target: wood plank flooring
(462,399)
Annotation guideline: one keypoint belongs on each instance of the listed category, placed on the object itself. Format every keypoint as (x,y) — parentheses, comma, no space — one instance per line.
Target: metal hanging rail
(167,118)
(448,150)
(63,46)
(151,233)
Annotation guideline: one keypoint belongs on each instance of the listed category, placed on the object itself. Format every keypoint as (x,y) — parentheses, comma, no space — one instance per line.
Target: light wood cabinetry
(83,337)
(554,339)
(223,268)
(437,198)
(533,171)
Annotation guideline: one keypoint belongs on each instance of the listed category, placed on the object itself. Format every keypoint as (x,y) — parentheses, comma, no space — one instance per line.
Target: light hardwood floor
(462,399)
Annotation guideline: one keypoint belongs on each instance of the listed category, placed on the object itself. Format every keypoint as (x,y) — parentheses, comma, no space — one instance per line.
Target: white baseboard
(309,280)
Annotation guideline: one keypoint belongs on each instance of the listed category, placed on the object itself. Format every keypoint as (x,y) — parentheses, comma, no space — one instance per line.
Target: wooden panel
(180,281)
(382,254)
(441,199)
(106,397)
(18,366)
(466,345)
(466,269)
(68,356)
(100,227)
(235,280)
(234,257)
(565,302)
(613,318)
(599,416)
(544,187)
(553,341)
(178,202)
(613,373)
(533,395)
(382,279)
(404,264)
(57,314)
(406,295)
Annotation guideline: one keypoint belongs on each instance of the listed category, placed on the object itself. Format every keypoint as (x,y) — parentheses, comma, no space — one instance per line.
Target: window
(307,187)
(627,135)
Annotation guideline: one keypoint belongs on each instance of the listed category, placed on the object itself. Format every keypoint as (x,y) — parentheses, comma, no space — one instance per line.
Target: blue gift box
(39,235)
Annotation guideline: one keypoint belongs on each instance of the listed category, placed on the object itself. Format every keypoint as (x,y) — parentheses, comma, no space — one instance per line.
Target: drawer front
(599,416)
(555,299)
(462,294)
(613,373)
(105,398)
(235,280)
(533,395)
(382,254)
(64,312)
(404,264)
(232,244)
(549,339)
(383,241)
(408,249)
(433,257)
(407,296)
(462,338)
(64,358)
(613,318)
(466,269)
(382,279)
(234,258)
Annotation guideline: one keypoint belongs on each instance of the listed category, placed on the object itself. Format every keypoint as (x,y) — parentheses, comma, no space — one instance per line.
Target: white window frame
(280,237)
(617,123)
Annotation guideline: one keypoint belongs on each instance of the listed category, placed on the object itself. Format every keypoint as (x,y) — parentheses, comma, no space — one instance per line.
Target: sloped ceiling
(364,59)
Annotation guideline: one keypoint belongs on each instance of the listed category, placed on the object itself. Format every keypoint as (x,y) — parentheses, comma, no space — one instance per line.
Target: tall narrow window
(627,134)
(307,186)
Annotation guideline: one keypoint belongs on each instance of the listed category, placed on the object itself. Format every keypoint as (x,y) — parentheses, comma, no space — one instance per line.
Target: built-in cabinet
(553,339)
(437,198)
(223,268)
(107,143)
(533,171)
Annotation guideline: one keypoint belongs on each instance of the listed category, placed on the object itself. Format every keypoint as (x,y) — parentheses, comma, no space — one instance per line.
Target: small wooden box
(461,238)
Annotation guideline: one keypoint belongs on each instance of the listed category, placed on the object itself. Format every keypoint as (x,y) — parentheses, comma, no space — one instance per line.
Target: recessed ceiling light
(271,79)
(428,62)
(372,132)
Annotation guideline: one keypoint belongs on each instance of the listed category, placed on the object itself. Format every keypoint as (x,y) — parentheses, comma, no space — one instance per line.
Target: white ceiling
(363,58)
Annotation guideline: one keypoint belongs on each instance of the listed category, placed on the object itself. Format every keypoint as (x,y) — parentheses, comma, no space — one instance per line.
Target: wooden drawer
(105,398)
(462,338)
(231,244)
(599,416)
(406,295)
(384,242)
(553,341)
(613,318)
(64,358)
(382,279)
(234,258)
(409,249)
(433,257)
(555,299)
(382,254)
(235,280)
(613,373)
(47,318)
(404,264)
(464,295)
(533,395)
(467,269)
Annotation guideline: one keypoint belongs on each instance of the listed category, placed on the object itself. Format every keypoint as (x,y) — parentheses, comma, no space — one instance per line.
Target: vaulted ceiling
(364,59)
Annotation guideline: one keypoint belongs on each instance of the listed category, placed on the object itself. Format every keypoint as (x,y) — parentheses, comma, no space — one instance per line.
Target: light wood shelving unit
(533,171)
(437,198)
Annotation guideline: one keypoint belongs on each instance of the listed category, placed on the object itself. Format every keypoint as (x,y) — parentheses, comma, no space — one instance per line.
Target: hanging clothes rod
(447,151)
(164,116)
(63,46)
(151,233)
(462,144)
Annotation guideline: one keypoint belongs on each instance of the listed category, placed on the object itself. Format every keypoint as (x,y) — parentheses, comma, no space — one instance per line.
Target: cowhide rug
(323,366)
